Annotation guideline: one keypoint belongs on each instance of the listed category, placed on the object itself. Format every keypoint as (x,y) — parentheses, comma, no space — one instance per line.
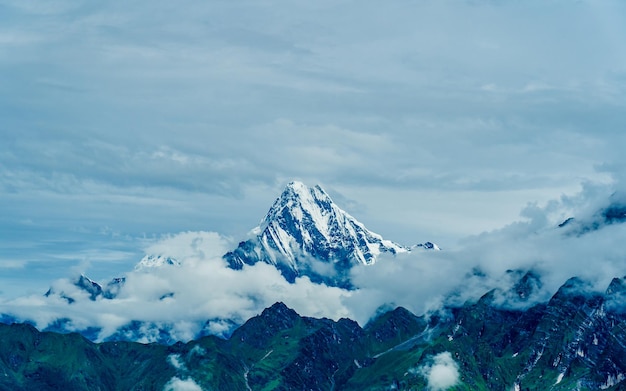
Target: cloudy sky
(121,122)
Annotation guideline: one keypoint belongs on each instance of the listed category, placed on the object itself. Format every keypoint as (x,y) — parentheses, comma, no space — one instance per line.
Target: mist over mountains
(322,262)
(152,239)
(542,297)
(575,341)
(303,255)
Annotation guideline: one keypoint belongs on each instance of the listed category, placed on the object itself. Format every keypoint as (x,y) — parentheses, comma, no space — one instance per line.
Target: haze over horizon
(125,124)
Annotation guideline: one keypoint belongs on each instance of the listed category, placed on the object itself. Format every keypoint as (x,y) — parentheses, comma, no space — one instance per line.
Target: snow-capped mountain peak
(305,226)
(305,221)
(300,199)
(153,261)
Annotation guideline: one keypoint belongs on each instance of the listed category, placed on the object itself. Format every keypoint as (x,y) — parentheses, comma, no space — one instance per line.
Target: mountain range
(576,341)
(304,234)
(505,340)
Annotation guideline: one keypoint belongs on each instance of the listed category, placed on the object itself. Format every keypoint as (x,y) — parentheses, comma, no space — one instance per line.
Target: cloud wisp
(442,373)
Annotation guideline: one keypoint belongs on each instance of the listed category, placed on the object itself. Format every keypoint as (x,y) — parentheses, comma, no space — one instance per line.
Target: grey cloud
(193,117)
(399,98)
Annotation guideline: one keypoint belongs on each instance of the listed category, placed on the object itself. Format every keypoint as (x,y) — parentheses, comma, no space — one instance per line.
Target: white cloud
(176,361)
(177,384)
(190,247)
(12,264)
(182,298)
(426,280)
(442,373)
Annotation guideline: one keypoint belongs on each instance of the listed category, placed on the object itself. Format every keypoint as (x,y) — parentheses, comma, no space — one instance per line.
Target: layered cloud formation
(432,119)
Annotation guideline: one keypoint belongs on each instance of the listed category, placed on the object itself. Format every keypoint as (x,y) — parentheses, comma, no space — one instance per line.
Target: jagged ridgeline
(576,341)
(306,234)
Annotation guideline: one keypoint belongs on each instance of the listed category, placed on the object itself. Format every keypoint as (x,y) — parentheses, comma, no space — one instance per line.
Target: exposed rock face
(92,288)
(305,233)
(575,341)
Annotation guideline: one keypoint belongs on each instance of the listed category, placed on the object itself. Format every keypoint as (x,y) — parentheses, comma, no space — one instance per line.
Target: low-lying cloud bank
(182,298)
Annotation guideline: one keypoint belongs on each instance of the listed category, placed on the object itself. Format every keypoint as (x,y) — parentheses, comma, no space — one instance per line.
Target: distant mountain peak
(305,221)
(94,289)
(279,309)
(297,197)
(612,213)
(306,233)
(617,287)
(155,261)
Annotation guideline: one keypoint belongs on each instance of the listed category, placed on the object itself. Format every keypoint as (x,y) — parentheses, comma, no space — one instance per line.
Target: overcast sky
(121,122)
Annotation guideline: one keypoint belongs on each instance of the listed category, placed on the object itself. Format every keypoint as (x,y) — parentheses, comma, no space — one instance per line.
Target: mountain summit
(305,233)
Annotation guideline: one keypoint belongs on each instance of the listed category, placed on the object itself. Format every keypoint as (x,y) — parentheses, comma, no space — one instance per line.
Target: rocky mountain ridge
(575,341)
(306,234)
(510,339)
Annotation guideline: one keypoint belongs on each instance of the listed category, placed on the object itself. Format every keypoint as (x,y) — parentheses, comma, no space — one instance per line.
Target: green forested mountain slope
(575,341)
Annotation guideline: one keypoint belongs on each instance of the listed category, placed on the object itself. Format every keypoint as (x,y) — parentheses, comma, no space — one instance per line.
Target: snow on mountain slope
(306,233)
(153,261)
(305,220)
